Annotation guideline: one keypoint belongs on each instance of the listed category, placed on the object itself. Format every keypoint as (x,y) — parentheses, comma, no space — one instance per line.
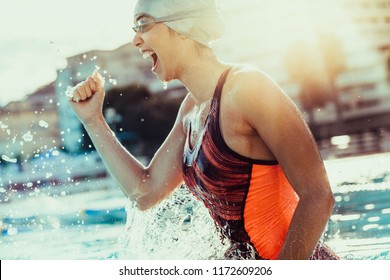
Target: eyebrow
(141,16)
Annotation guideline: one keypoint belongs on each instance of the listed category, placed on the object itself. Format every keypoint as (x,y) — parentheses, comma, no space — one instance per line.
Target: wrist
(95,121)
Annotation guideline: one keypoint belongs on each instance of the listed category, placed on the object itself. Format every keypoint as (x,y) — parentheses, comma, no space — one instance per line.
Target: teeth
(147,54)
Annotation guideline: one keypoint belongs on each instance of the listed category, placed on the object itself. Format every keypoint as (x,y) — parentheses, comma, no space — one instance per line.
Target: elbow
(321,202)
(143,202)
(144,194)
(326,201)
(148,199)
(143,205)
(330,202)
(146,202)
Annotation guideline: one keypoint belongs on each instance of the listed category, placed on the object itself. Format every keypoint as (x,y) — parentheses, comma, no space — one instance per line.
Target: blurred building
(29,126)
(267,29)
(366,84)
(373,19)
(262,32)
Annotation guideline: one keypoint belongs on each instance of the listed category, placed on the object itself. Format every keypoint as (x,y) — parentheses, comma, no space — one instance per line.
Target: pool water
(103,224)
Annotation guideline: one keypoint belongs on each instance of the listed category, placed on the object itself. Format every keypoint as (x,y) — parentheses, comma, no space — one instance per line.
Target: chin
(165,78)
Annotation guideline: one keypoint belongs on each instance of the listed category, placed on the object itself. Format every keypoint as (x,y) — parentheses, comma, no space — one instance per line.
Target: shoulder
(247,78)
(250,85)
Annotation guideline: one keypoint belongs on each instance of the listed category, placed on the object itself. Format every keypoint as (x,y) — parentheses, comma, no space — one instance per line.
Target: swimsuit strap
(218,90)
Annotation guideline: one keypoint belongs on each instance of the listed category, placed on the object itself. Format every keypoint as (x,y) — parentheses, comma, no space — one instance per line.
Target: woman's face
(156,42)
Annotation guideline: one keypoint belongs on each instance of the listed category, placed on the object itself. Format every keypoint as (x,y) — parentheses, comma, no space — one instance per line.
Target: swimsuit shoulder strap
(218,90)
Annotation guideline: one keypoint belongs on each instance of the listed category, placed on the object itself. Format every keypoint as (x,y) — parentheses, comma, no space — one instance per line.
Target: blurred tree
(315,67)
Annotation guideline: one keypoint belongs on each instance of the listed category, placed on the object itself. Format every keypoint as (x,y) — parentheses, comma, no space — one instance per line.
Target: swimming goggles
(146,22)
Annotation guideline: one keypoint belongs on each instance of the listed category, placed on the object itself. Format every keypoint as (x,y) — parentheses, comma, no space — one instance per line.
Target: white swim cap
(199,20)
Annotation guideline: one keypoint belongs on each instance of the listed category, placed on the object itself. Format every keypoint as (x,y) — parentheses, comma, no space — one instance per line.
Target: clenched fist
(86,98)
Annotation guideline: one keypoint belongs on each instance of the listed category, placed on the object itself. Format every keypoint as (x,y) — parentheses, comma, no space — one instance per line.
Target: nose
(137,40)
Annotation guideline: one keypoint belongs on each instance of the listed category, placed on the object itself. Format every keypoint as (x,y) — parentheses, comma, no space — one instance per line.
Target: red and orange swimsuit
(251,201)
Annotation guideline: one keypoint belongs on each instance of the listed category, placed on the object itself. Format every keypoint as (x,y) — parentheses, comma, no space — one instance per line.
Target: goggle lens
(144,24)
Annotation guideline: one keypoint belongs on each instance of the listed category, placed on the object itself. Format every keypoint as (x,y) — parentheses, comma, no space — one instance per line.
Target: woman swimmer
(238,143)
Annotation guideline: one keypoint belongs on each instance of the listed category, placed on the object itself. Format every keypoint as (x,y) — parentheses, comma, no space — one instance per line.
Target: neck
(200,76)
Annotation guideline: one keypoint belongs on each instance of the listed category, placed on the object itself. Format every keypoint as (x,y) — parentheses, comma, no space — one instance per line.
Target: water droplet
(6,158)
(27,137)
(69,91)
(3,126)
(43,124)
(113,81)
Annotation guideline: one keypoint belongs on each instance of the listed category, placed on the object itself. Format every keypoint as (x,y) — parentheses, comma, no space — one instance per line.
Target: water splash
(180,227)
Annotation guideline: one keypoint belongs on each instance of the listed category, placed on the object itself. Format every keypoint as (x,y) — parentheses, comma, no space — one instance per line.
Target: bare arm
(147,185)
(279,123)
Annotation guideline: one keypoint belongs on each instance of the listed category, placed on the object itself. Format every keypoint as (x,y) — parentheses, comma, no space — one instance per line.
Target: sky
(36,36)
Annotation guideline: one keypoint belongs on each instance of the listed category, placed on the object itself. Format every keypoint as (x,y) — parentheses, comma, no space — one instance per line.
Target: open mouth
(154,58)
